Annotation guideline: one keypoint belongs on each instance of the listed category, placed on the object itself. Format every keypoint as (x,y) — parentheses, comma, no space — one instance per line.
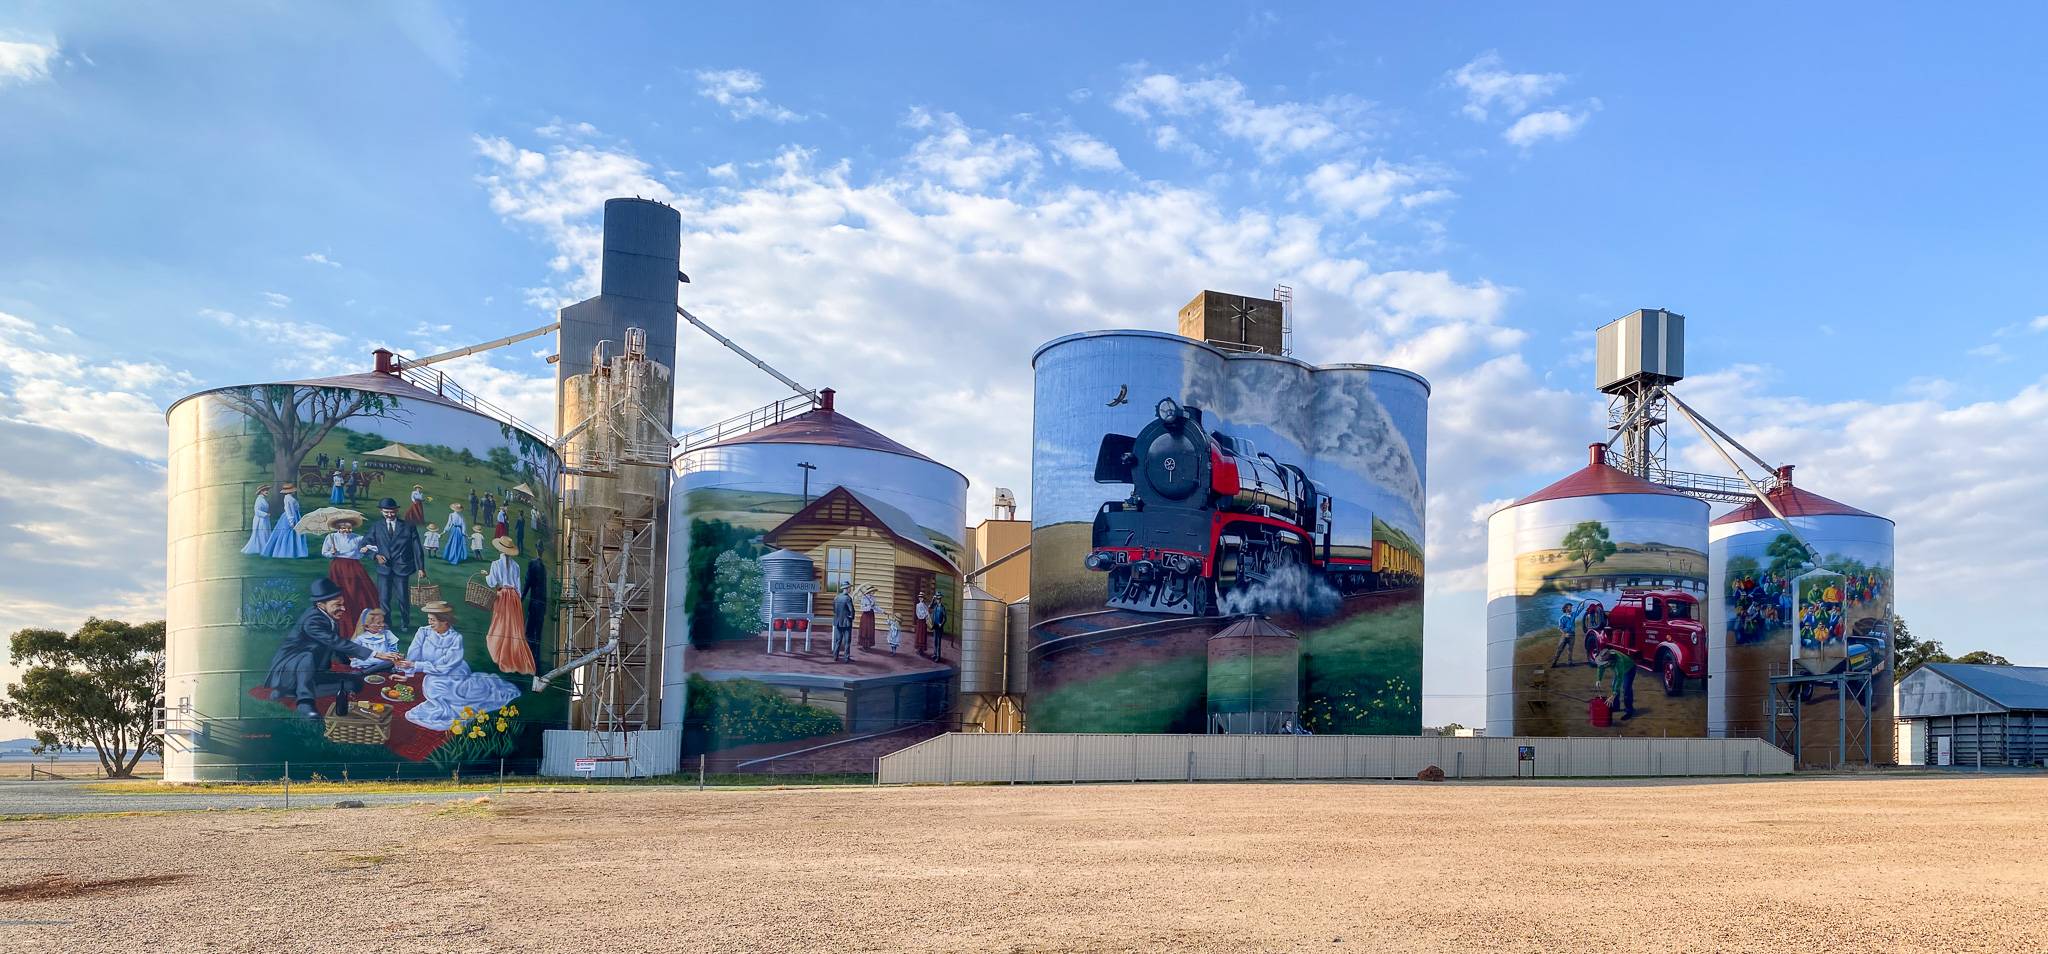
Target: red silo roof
(1793,502)
(825,425)
(1595,479)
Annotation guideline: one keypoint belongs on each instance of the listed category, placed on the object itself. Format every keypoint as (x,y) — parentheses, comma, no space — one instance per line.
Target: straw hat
(418,487)
(291,488)
(506,546)
(457,505)
(328,520)
(437,608)
(261,490)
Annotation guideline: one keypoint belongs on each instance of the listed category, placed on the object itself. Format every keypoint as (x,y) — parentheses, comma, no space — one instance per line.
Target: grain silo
(1758,622)
(1254,679)
(279,551)
(984,659)
(1178,484)
(882,526)
(1601,559)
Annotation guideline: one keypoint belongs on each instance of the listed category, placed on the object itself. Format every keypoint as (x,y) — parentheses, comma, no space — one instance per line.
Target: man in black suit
(303,667)
(399,558)
(536,604)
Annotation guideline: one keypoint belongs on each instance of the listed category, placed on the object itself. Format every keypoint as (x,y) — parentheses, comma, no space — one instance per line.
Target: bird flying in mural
(1123,396)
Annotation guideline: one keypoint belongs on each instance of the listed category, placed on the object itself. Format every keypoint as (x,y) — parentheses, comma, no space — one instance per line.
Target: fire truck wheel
(1673,677)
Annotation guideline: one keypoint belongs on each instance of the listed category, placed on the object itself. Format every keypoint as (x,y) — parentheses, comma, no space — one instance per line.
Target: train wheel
(1202,597)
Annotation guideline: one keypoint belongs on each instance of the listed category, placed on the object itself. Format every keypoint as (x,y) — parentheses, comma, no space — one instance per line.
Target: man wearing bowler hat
(400,557)
(302,670)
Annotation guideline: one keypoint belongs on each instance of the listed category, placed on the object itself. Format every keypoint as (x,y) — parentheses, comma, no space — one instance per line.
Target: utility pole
(807,468)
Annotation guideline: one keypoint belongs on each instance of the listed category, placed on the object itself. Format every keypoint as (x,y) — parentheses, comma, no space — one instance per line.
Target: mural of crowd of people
(1786,610)
(370,629)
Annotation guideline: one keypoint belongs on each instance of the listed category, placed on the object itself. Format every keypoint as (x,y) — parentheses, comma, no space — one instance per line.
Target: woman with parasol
(506,638)
(345,549)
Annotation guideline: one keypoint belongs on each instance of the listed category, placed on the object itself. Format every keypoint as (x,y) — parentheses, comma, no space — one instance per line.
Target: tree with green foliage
(1983,657)
(738,582)
(100,686)
(1909,653)
(294,419)
(502,460)
(1589,543)
(710,539)
(1788,555)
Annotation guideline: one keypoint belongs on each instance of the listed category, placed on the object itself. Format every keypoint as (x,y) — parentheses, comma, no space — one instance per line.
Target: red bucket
(1597,710)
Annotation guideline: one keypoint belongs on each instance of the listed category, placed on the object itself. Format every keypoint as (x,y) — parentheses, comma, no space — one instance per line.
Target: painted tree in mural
(738,580)
(1589,543)
(1787,554)
(297,418)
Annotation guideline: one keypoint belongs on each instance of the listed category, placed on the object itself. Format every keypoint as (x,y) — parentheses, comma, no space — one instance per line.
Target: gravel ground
(1813,864)
(80,798)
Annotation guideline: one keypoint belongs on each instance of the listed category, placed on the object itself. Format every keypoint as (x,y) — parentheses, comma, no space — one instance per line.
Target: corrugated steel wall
(653,752)
(1036,757)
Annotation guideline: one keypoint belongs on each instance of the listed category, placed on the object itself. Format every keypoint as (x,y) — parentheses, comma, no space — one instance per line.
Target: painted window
(838,567)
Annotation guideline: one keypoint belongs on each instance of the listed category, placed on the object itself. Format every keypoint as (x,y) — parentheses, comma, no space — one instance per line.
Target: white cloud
(1087,152)
(276,299)
(23,61)
(2039,324)
(967,158)
(299,347)
(319,259)
(1273,129)
(1548,124)
(1487,82)
(1361,190)
(114,404)
(734,90)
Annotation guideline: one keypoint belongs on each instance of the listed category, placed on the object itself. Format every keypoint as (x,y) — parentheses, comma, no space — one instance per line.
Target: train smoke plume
(1290,590)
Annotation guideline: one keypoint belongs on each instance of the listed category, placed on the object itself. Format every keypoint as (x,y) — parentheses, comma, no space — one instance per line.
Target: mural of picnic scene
(393,557)
(1610,635)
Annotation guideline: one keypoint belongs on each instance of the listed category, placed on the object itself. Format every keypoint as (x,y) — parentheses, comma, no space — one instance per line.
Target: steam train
(1209,515)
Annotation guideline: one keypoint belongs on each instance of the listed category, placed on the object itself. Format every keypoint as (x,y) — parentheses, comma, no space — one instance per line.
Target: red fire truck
(1661,629)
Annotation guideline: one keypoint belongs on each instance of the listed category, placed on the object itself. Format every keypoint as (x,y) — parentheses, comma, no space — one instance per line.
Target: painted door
(1944,754)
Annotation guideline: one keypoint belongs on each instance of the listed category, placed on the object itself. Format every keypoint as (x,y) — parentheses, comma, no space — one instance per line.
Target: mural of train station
(1179,488)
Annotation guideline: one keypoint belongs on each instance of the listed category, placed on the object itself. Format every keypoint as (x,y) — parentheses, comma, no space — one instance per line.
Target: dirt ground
(1908,863)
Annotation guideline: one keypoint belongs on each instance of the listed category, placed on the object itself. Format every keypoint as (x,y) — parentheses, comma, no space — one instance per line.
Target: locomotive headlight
(1167,410)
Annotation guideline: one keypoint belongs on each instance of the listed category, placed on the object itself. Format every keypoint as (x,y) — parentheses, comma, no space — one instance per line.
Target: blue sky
(903,201)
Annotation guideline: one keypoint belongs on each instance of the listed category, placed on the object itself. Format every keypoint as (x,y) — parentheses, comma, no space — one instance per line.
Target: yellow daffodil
(476,732)
(501,725)
(455,727)
(468,713)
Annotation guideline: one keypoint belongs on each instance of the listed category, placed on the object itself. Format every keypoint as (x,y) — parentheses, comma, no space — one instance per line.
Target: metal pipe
(742,352)
(1812,554)
(998,561)
(486,346)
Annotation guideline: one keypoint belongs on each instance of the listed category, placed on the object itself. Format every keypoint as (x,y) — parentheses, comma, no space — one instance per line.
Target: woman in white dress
(285,542)
(344,550)
(449,685)
(259,525)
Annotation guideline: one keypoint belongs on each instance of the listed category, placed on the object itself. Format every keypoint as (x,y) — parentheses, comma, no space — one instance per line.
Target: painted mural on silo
(359,573)
(1775,608)
(1596,587)
(1176,487)
(820,597)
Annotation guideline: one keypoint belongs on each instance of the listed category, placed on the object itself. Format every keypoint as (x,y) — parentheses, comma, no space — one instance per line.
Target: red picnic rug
(408,741)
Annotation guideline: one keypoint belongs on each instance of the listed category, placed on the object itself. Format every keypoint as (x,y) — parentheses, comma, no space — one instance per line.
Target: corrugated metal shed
(2009,687)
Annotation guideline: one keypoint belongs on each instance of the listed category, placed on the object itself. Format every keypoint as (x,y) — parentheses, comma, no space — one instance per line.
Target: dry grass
(1901,863)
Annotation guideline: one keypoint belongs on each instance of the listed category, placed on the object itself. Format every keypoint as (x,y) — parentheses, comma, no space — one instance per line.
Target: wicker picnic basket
(361,726)
(476,593)
(424,592)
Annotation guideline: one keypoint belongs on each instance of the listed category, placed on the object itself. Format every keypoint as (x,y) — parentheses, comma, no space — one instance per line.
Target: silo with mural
(359,582)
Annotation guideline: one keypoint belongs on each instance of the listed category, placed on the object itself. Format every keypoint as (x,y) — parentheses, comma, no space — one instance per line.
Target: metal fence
(1046,757)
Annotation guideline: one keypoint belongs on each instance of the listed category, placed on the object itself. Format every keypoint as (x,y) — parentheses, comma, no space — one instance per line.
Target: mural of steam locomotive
(1208,514)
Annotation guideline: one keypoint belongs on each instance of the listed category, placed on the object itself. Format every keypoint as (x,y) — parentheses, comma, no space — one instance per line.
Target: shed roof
(1254,626)
(900,525)
(2013,687)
